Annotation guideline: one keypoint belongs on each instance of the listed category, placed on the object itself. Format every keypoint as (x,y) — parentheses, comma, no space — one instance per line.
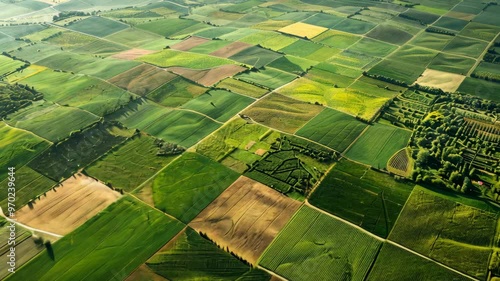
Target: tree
(423,157)
(467,185)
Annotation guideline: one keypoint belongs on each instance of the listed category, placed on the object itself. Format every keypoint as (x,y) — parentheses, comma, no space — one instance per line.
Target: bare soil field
(231,49)
(448,82)
(208,77)
(132,54)
(142,79)
(189,43)
(246,217)
(68,206)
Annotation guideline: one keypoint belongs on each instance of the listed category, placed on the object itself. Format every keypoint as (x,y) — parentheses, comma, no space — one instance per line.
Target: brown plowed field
(246,217)
(132,54)
(67,207)
(208,77)
(231,49)
(189,43)
(142,79)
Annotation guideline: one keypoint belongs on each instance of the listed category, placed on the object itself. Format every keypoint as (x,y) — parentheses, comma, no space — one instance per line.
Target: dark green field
(370,199)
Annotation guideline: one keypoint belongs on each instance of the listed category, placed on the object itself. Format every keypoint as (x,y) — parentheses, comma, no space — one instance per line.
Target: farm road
(389,241)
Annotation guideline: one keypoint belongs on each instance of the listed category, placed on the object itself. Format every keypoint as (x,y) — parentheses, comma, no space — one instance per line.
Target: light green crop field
(39,117)
(447,231)
(283,113)
(377,144)
(304,249)
(169,58)
(182,127)
(98,26)
(219,104)
(242,88)
(183,194)
(130,164)
(392,265)
(333,129)
(8,65)
(108,246)
(29,185)
(270,77)
(176,92)
(18,147)
(85,92)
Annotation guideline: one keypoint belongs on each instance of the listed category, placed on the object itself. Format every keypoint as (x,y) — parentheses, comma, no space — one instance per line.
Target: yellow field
(448,82)
(25,73)
(303,30)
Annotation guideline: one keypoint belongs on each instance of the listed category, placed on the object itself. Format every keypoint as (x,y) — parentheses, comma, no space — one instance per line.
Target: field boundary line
(355,140)
(28,132)
(29,227)
(480,58)
(388,241)
(429,259)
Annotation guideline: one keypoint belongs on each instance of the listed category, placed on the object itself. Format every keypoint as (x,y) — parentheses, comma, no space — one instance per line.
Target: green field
(230,144)
(39,118)
(480,88)
(18,147)
(447,231)
(29,184)
(480,31)
(372,47)
(181,127)
(100,48)
(282,113)
(336,39)
(176,92)
(314,246)
(97,26)
(392,264)
(294,65)
(169,58)
(139,114)
(333,129)
(466,47)
(390,34)
(354,26)
(255,56)
(367,198)
(401,71)
(8,65)
(270,78)
(413,55)
(451,63)
(451,23)
(183,194)
(129,164)
(377,144)
(86,64)
(82,148)
(190,249)
(431,40)
(85,92)
(167,27)
(107,247)
(242,88)
(219,104)
(324,20)
(134,37)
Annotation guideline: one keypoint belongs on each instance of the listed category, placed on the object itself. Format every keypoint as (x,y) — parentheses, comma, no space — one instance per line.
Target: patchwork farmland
(250,140)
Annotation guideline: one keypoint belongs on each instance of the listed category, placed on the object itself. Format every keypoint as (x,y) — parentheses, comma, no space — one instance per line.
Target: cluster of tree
(68,14)
(488,76)
(408,17)
(167,148)
(386,79)
(445,152)
(15,97)
(205,236)
(303,147)
(433,29)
